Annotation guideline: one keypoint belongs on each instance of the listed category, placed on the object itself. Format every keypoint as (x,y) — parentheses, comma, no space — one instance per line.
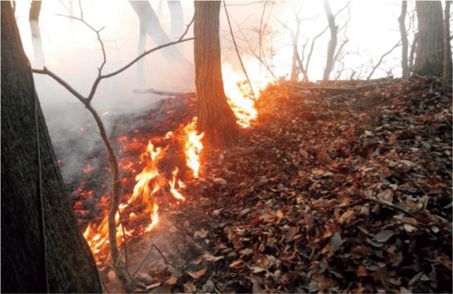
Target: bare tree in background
(330,63)
(405,42)
(447,62)
(177,19)
(296,60)
(215,117)
(149,24)
(35,10)
(428,60)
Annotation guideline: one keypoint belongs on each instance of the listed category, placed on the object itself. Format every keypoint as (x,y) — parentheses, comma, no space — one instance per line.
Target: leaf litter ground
(326,193)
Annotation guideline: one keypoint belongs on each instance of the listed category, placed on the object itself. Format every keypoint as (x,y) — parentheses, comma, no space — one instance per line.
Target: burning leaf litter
(345,193)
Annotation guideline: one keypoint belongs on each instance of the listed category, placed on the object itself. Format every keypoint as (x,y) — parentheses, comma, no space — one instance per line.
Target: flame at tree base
(152,185)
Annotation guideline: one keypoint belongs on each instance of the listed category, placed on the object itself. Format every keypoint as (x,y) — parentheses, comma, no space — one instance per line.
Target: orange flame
(239,92)
(173,190)
(192,146)
(149,182)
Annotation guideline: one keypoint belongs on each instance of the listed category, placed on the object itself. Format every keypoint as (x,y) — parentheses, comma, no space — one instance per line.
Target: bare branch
(46,71)
(382,57)
(187,29)
(237,51)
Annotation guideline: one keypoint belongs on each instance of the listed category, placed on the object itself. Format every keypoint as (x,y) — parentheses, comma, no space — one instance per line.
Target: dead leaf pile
(332,197)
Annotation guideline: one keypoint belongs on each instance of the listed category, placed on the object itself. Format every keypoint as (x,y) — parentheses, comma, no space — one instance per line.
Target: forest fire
(239,96)
(139,212)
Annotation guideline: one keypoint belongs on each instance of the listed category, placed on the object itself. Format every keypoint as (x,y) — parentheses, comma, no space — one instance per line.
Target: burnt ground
(327,192)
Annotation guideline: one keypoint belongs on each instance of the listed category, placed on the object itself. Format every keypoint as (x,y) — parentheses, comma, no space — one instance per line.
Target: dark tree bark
(428,60)
(404,41)
(35,10)
(215,116)
(330,63)
(447,62)
(29,172)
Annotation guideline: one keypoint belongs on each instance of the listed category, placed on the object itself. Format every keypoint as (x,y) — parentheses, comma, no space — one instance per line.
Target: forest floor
(327,192)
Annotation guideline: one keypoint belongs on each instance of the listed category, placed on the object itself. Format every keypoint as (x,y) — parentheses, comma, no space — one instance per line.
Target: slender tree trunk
(447,62)
(30,173)
(177,19)
(294,67)
(149,21)
(330,63)
(405,42)
(35,10)
(428,60)
(215,116)
(141,62)
(412,53)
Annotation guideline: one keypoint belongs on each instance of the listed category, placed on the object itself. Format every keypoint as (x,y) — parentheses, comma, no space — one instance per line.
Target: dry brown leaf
(197,274)
(173,280)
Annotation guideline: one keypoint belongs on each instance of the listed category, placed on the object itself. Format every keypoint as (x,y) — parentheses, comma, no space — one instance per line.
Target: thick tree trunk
(29,172)
(177,19)
(35,10)
(215,116)
(447,62)
(405,42)
(428,60)
(330,63)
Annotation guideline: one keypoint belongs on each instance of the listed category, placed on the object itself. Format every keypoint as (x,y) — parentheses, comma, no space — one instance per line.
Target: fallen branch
(339,89)
(163,93)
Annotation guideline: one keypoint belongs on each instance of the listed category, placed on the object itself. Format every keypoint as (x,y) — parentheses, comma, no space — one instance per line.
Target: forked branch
(126,279)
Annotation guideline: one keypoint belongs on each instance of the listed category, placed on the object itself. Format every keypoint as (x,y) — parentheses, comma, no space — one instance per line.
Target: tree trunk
(150,22)
(177,19)
(215,116)
(330,63)
(38,51)
(405,42)
(428,60)
(447,62)
(29,172)
(412,53)
(141,63)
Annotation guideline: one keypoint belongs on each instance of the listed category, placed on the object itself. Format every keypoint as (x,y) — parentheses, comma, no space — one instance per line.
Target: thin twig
(382,57)
(144,259)
(105,287)
(237,50)
(382,202)
(187,29)
(160,252)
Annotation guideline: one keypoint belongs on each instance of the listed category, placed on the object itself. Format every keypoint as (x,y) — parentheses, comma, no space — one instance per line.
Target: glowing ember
(192,146)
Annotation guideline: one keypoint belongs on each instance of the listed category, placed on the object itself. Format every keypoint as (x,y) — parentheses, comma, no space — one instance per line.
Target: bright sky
(372,31)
